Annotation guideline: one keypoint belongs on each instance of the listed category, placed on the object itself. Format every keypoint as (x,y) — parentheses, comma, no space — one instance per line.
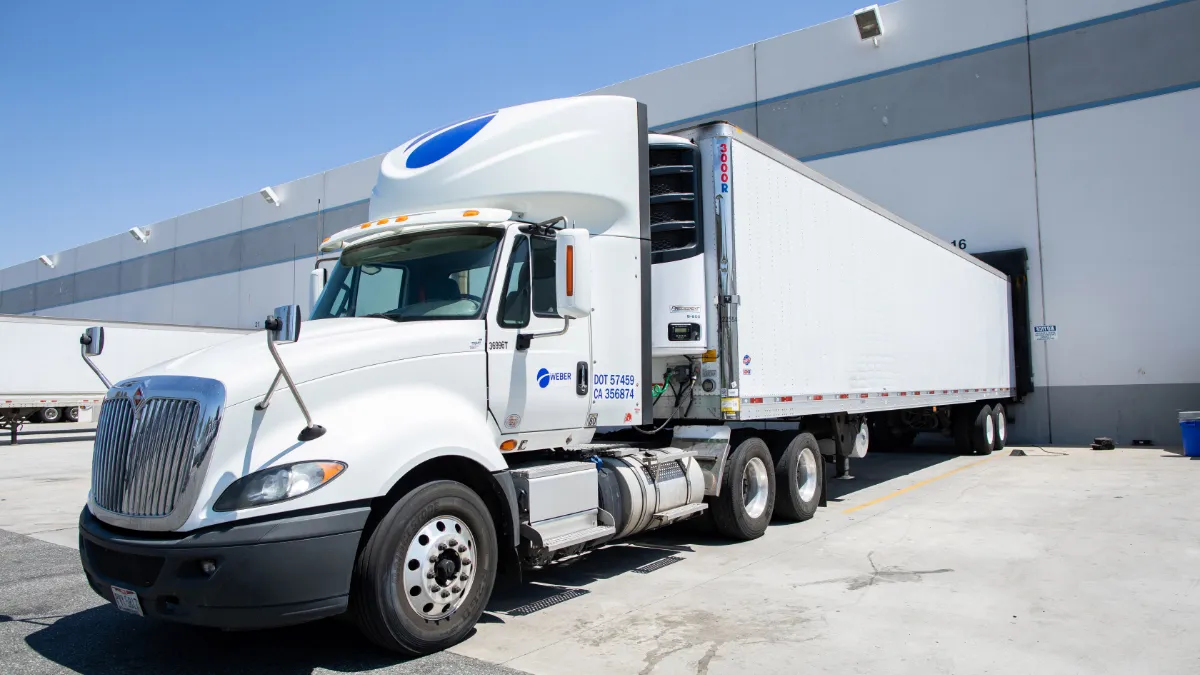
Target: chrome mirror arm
(310,432)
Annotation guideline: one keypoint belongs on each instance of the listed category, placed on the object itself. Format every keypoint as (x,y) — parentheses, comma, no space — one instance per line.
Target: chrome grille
(152,440)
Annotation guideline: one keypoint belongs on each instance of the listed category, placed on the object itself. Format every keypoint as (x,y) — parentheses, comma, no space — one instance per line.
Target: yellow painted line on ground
(914,486)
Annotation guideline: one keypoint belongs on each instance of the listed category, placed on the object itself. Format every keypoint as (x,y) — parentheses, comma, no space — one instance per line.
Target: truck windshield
(422,276)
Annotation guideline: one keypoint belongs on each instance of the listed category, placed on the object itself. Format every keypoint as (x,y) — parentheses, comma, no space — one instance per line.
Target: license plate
(126,600)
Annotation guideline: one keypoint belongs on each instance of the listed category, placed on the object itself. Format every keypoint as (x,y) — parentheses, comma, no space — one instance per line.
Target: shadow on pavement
(560,582)
(103,640)
(879,467)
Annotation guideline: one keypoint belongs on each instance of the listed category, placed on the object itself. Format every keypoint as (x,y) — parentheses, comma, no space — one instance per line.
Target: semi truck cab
(530,350)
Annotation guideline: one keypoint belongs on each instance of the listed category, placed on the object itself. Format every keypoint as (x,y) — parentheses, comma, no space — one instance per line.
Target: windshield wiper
(382,315)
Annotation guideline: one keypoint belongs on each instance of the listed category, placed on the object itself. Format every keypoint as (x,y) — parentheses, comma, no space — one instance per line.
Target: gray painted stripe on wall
(1144,52)
(268,244)
(973,90)
(1116,59)
(1121,412)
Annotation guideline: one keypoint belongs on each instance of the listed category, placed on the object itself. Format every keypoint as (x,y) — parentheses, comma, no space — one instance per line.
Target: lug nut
(462,549)
(433,558)
(454,589)
(442,546)
(453,542)
(466,561)
(434,589)
(430,574)
(463,576)
(445,594)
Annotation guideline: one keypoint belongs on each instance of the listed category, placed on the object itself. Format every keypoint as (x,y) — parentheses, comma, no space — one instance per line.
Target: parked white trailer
(528,278)
(36,388)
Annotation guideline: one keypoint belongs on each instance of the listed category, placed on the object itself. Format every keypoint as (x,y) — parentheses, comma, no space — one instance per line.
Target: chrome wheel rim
(755,487)
(439,568)
(989,431)
(862,441)
(1001,427)
(806,474)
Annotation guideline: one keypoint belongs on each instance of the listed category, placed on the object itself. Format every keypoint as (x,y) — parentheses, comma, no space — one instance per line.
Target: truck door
(546,386)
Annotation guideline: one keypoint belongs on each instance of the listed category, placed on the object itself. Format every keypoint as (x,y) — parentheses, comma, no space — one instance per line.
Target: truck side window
(514,308)
(545,302)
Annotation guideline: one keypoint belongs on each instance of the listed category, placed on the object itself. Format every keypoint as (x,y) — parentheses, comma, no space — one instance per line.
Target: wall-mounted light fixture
(45,260)
(142,234)
(269,195)
(870,24)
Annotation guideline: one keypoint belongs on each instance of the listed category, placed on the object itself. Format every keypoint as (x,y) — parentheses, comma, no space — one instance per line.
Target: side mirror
(573,273)
(92,341)
(316,284)
(284,323)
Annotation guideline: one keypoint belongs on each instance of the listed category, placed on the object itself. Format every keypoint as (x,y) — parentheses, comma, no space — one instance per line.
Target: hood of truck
(326,347)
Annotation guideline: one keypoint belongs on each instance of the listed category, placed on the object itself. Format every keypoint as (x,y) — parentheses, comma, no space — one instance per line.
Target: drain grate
(657,564)
(539,605)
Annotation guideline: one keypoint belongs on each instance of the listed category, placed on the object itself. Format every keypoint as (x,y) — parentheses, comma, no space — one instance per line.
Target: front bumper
(269,573)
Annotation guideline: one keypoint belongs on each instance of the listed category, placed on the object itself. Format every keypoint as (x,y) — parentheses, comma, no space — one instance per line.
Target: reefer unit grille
(674,209)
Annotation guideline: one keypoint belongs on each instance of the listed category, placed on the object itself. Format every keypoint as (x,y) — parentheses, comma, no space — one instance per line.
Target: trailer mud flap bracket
(710,447)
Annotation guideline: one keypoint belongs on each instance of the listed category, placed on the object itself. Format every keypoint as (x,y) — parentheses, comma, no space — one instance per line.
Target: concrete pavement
(926,562)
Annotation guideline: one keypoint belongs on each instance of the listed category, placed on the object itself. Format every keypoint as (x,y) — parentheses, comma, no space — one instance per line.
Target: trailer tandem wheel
(798,476)
(974,428)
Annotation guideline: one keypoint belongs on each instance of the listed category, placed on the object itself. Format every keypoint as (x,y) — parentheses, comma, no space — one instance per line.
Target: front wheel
(747,500)
(427,571)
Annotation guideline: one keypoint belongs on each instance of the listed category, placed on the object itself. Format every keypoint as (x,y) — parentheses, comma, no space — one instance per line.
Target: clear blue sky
(115,114)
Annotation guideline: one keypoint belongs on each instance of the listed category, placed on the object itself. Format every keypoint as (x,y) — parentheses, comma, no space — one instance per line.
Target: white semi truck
(38,389)
(535,288)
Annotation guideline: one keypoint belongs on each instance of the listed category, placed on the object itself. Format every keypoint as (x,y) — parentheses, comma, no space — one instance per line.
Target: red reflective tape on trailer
(863,395)
(785,399)
(884,394)
(756,400)
(916,393)
(945,392)
(818,397)
(904,393)
(843,395)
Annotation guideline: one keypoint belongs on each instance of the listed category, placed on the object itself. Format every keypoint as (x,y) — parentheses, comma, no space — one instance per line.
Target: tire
(70,414)
(1000,422)
(798,477)
(382,599)
(747,499)
(49,415)
(974,429)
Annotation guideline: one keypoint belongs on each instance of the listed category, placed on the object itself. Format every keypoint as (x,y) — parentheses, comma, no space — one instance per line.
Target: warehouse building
(1063,128)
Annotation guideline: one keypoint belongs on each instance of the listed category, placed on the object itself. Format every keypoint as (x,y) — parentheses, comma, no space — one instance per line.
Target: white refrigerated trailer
(42,381)
(535,288)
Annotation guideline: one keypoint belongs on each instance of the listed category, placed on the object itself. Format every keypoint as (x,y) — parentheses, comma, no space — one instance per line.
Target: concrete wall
(1061,126)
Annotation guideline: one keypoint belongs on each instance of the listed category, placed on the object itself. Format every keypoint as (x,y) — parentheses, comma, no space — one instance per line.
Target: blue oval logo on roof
(433,146)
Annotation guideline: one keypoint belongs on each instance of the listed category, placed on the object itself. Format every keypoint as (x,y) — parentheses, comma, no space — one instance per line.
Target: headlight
(277,484)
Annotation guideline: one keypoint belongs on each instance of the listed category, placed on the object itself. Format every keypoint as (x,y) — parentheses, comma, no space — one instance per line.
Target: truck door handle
(581,378)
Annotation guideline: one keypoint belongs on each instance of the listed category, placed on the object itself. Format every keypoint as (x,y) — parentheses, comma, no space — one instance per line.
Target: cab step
(678,513)
(580,537)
